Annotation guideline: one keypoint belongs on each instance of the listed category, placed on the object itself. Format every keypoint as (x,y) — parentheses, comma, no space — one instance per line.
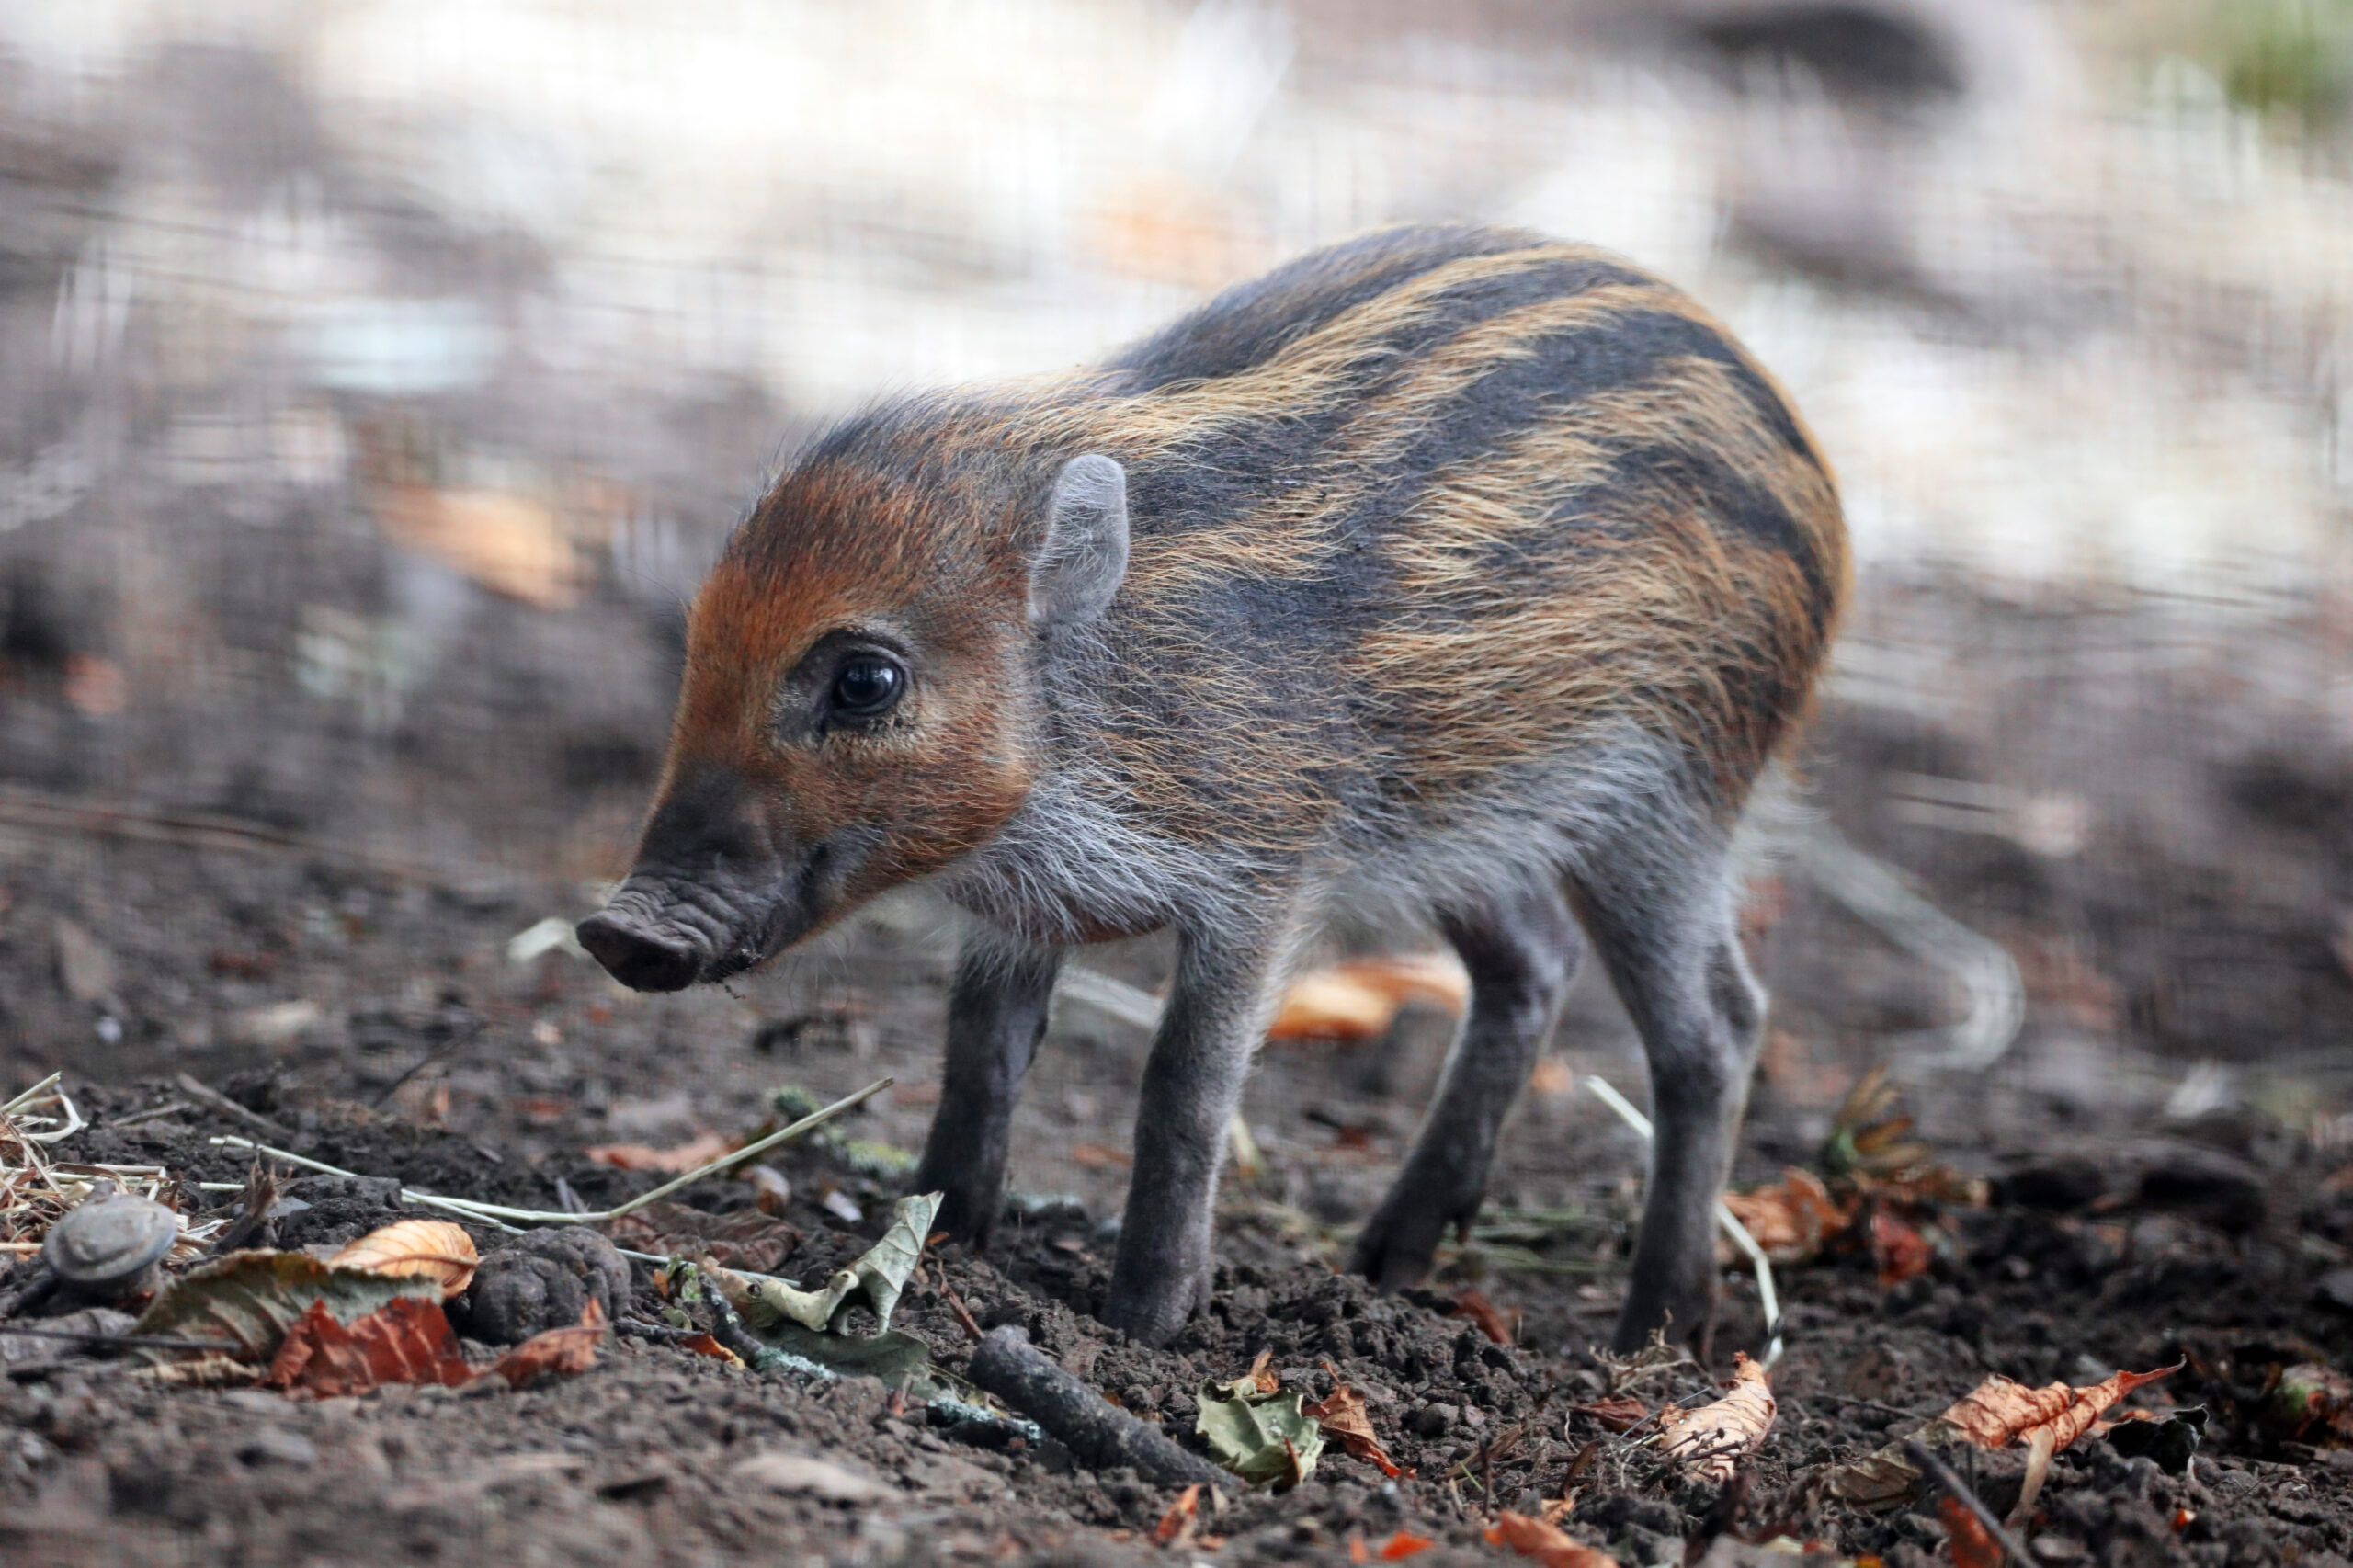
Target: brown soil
(433,1058)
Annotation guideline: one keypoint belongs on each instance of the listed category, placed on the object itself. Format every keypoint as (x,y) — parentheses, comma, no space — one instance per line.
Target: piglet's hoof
(540,1281)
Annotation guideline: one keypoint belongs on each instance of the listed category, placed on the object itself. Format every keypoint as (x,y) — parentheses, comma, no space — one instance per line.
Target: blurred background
(377,379)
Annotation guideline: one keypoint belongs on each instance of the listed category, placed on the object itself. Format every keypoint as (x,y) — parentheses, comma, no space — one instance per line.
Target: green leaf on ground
(1261,1438)
(248,1300)
(876,1278)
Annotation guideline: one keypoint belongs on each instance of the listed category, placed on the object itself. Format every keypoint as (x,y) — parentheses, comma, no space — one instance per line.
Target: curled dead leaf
(1713,1440)
(1999,1411)
(1972,1546)
(1489,1317)
(1616,1413)
(1994,1415)
(1177,1525)
(406,1341)
(1343,1415)
(560,1352)
(1356,1000)
(436,1249)
(1548,1543)
(1792,1219)
(692,1154)
(1898,1249)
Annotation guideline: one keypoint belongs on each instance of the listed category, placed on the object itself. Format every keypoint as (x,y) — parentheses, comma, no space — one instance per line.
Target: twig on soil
(189,830)
(197,1089)
(1102,1436)
(661,1333)
(495,1213)
(459,1037)
(1934,1468)
(1734,1229)
(101,1336)
(153,1113)
(963,1315)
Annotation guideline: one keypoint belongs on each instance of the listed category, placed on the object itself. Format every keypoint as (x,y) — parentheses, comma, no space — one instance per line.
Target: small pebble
(275,1445)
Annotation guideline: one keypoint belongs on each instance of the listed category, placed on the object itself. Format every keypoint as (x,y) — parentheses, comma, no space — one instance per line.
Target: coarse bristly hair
(1454,571)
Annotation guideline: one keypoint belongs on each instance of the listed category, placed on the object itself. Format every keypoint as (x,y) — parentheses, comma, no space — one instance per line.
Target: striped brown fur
(1446,561)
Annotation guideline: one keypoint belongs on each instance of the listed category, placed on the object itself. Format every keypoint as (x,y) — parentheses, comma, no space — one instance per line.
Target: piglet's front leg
(1217,1013)
(997,1014)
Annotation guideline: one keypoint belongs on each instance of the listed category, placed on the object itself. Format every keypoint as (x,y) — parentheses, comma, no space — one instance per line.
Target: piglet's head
(860,706)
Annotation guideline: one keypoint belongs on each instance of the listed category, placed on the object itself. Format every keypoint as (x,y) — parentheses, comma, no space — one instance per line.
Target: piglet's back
(1442,502)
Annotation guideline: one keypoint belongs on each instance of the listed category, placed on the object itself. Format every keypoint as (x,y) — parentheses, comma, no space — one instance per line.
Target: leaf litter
(1257,1431)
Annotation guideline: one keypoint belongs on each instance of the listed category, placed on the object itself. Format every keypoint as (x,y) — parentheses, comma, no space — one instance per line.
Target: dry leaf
(1178,1523)
(1972,1546)
(1999,1411)
(510,544)
(1344,1416)
(704,1345)
(1868,1134)
(204,1373)
(690,1156)
(436,1248)
(407,1341)
(1100,1157)
(1485,1314)
(1792,1219)
(1995,1414)
(1404,1543)
(1357,1000)
(1898,1249)
(1357,1554)
(560,1352)
(1549,1544)
(1713,1440)
(741,1238)
(1616,1413)
(1327,1006)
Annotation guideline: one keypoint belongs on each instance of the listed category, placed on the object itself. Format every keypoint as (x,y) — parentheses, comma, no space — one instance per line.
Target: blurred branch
(22,807)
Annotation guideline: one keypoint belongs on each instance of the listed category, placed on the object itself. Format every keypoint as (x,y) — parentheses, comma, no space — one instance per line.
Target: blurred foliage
(2291,60)
(2292,57)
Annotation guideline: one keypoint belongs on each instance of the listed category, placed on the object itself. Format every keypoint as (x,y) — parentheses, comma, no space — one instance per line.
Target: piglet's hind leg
(1667,934)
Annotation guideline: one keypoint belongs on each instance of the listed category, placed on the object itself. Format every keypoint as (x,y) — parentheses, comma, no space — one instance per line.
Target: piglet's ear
(1085,554)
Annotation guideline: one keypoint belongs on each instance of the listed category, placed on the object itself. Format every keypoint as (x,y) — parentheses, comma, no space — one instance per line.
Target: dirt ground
(379,1019)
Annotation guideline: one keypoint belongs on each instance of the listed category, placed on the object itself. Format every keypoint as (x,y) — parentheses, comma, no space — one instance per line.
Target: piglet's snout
(641,957)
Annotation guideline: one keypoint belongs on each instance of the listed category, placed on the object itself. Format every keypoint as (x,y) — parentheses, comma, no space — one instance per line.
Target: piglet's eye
(866,686)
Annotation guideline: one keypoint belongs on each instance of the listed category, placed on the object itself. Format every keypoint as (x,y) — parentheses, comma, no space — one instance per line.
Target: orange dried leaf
(1344,1416)
(408,1341)
(1491,1322)
(1898,1249)
(1356,1000)
(1999,1411)
(1972,1546)
(1713,1440)
(436,1248)
(1549,1544)
(692,1154)
(704,1345)
(1404,1543)
(1357,1554)
(1178,1523)
(1100,1157)
(1616,1413)
(1329,1006)
(560,1352)
(1792,1219)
